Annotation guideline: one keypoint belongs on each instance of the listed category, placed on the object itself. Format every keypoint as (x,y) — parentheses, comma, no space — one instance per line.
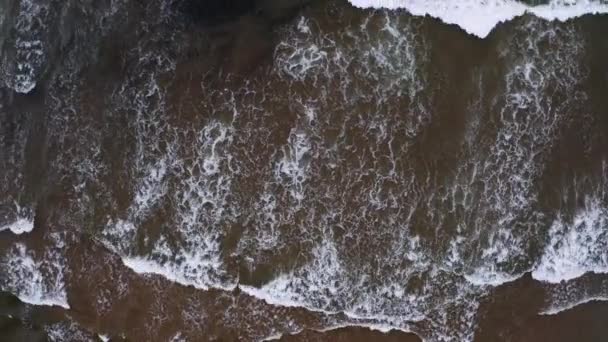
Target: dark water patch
(508,308)
(13,330)
(24,322)
(595,33)
(216,11)
(585,323)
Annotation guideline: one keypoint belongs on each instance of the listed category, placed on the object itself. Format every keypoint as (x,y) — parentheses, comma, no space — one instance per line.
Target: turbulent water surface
(314,171)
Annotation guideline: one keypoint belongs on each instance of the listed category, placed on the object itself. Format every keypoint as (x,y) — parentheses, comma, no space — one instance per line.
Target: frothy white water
(67,331)
(554,310)
(383,328)
(490,276)
(193,269)
(501,214)
(22,225)
(338,198)
(34,282)
(567,295)
(333,279)
(576,247)
(293,165)
(187,167)
(22,221)
(479,17)
(313,286)
(29,48)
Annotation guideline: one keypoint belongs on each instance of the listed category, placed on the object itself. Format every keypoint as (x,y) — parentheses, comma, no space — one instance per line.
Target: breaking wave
(34,280)
(479,17)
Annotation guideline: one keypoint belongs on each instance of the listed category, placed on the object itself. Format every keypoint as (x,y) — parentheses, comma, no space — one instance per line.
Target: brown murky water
(306,173)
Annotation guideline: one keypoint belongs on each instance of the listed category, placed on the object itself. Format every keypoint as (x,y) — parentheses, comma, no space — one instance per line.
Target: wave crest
(479,17)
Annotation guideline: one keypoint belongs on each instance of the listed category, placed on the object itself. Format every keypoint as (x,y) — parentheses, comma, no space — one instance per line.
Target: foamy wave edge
(41,301)
(144,266)
(385,329)
(554,310)
(478,17)
(21,226)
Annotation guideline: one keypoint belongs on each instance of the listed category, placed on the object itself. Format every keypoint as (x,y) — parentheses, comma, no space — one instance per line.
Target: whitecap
(479,17)
(556,309)
(20,226)
(577,246)
(34,282)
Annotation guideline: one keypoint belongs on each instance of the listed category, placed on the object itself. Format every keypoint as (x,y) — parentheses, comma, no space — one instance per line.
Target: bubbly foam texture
(569,294)
(308,55)
(374,327)
(312,286)
(511,167)
(332,180)
(556,309)
(188,174)
(22,225)
(577,245)
(22,221)
(479,17)
(34,282)
(67,331)
(195,171)
(354,179)
(293,165)
(197,175)
(29,47)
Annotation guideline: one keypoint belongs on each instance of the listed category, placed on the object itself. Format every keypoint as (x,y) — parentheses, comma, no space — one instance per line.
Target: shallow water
(332,174)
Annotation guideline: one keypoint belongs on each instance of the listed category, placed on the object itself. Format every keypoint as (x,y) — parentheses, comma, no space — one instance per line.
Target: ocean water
(365,170)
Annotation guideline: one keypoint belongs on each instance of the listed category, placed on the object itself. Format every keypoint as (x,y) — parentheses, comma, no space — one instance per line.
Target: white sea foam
(503,215)
(190,253)
(311,286)
(294,165)
(198,182)
(67,331)
(310,53)
(383,328)
(195,269)
(576,246)
(322,285)
(479,17)
(554,310)
(30,49)
(358,195)
(23,221)
(489,276)
(20,226)
(178,338)
(193,163)
(34,282)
